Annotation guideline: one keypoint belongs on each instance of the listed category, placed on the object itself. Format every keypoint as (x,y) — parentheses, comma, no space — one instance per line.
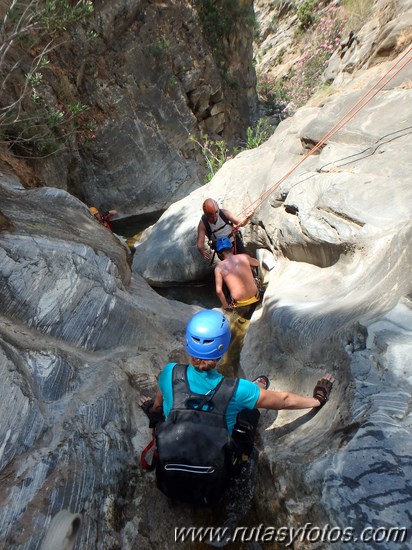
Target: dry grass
(322,94)
(15,167)
(356,12)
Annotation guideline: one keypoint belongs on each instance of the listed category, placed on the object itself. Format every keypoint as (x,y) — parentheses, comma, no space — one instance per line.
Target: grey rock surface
(388,30)
(356,187)
(82,335)
(80,338)
(152,81)
(337,300)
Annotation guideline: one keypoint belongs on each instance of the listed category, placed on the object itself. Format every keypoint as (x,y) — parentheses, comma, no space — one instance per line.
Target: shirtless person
(235,271)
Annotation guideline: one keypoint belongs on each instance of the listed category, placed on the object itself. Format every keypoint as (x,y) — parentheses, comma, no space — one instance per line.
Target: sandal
(262,381)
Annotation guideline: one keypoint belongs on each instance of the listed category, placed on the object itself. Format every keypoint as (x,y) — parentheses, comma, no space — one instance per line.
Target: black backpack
(193,444)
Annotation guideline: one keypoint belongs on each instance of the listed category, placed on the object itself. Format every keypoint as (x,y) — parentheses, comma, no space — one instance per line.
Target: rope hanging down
(360,104)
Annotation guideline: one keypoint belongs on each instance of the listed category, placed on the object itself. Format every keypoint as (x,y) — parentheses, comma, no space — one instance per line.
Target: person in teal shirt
(202,381)
(207,339)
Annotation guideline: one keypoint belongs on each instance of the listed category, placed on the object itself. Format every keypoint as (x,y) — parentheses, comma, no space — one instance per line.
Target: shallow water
(199,293)
(134,225)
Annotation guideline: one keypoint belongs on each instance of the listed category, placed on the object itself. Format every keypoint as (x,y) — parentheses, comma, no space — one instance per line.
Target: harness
(248,302)
(234,235)
(211,233)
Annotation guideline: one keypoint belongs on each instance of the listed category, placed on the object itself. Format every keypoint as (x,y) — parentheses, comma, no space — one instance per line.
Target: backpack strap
(217,399)
(180,386)
(207,224)
(224,217)
(222,395)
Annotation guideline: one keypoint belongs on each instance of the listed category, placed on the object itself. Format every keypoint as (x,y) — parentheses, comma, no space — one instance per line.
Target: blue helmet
(223,243)
(207,335)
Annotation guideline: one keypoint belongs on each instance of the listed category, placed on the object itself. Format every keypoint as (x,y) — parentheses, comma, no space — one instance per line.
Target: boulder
(80,338)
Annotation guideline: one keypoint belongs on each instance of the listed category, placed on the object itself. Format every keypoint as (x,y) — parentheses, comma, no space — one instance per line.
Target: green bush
(318,44)
(258,134)
(306,13)
(216,152)
(29,122)
(59,14)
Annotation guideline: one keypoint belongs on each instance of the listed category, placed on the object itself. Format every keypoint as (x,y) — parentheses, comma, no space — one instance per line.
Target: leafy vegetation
(258,134)
(306,13)
(216,152)
(321,37)
(31,121)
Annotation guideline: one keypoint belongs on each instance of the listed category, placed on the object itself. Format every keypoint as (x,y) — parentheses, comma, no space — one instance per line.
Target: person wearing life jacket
(218,222)
(234,271)
(105,218)
(197,412)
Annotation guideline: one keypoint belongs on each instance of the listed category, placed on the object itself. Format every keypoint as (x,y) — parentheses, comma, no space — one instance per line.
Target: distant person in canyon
(206,423)
(218,222)
(104,218)
(234,273)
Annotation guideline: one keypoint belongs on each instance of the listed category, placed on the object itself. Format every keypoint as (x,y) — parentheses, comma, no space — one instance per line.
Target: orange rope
(340,124)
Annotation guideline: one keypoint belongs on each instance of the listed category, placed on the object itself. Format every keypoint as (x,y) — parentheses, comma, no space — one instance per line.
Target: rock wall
(337,300)
(79,338)
(152,80)
(82,335)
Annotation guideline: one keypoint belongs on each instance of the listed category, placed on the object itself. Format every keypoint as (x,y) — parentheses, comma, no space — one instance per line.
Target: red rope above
(360,104)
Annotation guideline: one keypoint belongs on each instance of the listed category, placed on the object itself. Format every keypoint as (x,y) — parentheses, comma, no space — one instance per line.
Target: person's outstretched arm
(237,222)
(286,400)
(278,400)
(201,235)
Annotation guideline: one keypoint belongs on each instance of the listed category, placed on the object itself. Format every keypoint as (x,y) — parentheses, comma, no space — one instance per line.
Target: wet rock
(79,339)
(337,300)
